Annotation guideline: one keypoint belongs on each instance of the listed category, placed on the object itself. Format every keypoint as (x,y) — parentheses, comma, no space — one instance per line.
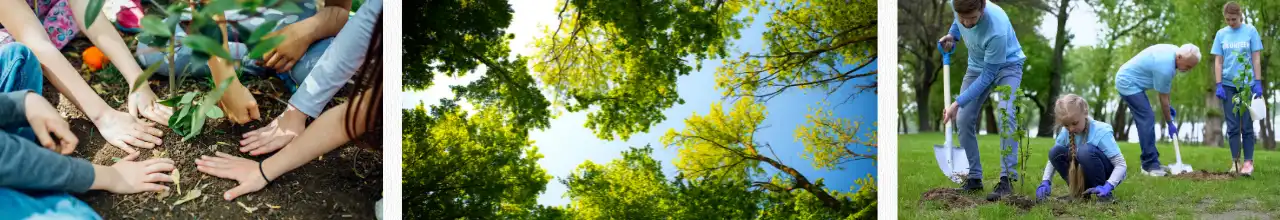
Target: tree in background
(623,58)
(474,163)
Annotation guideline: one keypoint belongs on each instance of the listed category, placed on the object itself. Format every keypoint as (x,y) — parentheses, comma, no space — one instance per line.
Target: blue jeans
(1140,110)
(146,54)
(1095,165)
(967,121)
(1234,125)
(20,70)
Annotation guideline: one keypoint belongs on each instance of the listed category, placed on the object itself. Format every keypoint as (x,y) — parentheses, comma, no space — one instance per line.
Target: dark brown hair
(1231,8)
(967,6)
(367,80)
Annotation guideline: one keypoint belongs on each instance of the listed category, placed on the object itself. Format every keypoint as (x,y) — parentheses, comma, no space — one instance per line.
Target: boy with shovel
(1153,68)
(995,59)
(1084,154)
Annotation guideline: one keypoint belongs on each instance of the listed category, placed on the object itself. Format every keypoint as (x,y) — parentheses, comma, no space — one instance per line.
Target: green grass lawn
(1138,197)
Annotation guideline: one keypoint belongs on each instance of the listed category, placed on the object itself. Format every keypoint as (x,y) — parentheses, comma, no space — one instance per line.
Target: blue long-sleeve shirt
(339,62)
(1153,68)
(25,165)
(992,45)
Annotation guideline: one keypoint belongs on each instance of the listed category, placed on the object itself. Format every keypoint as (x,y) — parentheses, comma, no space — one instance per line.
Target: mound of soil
(951,198)
(1021,201)
(1206,175)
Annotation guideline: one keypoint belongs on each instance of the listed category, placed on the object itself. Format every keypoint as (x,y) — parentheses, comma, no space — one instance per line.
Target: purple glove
(1102,191)
(1221,93)
(1043,191)
(1257,89)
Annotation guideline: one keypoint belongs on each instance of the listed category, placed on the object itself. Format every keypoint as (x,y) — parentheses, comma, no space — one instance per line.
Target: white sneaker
(1159,172)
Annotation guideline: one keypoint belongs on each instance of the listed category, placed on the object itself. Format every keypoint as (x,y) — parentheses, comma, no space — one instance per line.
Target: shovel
(1179,167)
(951,158)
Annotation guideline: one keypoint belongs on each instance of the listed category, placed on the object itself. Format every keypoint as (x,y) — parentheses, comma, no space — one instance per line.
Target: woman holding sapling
(45,27)
(1084,154)
(1232,42)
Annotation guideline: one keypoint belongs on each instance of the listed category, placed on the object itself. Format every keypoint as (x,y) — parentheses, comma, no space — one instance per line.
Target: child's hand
(274,136)
(285,55)
(143,103)
(46,123)
(241,170)
(134,177)
(239,104)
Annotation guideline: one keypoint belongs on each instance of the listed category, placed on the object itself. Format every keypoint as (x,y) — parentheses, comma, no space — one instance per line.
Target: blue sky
(567,143)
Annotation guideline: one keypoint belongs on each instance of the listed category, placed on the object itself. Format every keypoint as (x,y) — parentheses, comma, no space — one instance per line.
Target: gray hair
(1189,50)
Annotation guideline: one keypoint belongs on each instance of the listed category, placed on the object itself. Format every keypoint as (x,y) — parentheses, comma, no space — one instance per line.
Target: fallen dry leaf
(246,208)
(191,195)
(163,194)
(272,206)
(177,178)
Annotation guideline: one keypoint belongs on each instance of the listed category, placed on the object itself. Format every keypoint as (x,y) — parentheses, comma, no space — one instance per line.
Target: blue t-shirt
(1099,134)
(1153,68)
(992,45)
(1232,42)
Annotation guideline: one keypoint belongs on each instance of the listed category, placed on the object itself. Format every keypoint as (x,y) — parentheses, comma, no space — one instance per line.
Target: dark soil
(344,183)
(951,198)
(1206,175)
(1021,201)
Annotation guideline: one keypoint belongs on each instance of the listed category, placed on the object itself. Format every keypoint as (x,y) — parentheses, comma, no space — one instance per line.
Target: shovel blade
(953,162)
(1178,168)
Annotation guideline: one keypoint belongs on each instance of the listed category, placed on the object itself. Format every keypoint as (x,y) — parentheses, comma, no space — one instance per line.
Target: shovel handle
(946,55)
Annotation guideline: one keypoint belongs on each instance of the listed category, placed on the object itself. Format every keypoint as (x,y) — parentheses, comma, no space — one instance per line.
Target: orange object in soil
(94,59)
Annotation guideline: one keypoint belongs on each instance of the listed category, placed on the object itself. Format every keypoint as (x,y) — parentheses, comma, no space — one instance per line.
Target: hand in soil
(47,124)
(275,135)
(244,171)
(135,177)
(239,104)
(126,132)
(142,103)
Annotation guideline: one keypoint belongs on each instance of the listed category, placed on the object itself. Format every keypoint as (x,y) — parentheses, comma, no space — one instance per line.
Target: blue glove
(1221,93)
(1257,89)
(1102,191)
(1173,129)
(1043,191)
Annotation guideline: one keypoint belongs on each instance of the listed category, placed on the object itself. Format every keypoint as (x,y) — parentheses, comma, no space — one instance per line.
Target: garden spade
(1178,167)
(951,158)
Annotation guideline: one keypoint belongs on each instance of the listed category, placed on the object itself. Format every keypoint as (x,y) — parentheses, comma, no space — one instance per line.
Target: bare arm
(104,35)
(26,28)
(326,23)
(1257,66)
(325,134)
(1164,102)
(1217,68)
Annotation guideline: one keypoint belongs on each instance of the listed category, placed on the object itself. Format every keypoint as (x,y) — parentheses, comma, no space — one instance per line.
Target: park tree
(471,163)
(621,60)
(920,24)
(458,164)
(629,188)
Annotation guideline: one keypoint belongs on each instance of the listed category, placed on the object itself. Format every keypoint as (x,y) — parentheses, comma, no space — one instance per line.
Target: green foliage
(623,59)
(460,165)
(830,141)
(452,37)
(1017,129)
(629,188)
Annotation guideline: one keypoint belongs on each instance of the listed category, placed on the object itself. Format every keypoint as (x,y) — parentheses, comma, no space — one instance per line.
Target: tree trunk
(924,121)
(993,127)
(1118,124)
(1056,70)
(1213,122)
(1268,137)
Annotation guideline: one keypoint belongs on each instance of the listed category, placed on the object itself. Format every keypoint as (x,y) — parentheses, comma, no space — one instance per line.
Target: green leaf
(263,30)
(220,6)
(288,7)
(265,46)
(175,9)
(146,74)
(95,8)
(210,100)
(215,113)
(171,102)
(153,24)
(207,45)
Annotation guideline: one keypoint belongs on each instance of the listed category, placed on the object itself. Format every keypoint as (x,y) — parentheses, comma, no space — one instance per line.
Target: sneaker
(1234,167)
(1247,168)
(971,185)
(1002,189)
(1156,172)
